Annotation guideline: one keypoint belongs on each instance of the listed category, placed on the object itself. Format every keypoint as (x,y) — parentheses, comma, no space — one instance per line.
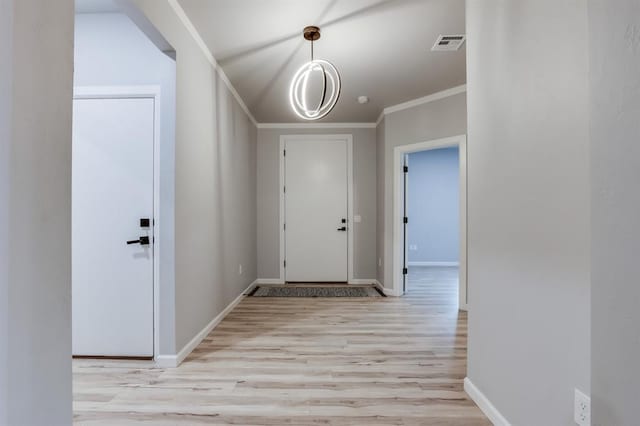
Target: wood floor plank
(303,361)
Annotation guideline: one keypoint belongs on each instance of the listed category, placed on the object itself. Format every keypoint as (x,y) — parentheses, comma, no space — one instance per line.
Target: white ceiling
(381,48)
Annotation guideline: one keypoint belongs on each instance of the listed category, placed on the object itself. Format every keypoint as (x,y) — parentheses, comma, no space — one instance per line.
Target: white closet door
(112,190)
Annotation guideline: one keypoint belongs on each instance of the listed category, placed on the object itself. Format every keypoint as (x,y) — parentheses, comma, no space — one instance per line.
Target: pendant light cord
(312,50)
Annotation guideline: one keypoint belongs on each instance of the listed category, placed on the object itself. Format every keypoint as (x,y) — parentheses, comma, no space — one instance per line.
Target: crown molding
(191,29)
(426,99)
(421,101)
(389,110)
(316,125)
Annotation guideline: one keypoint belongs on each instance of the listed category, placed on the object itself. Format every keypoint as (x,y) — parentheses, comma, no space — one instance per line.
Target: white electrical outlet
(239,269)
(582,409)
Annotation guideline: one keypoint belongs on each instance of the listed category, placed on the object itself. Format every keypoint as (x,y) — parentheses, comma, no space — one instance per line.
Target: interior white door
(316,209)
(112,190)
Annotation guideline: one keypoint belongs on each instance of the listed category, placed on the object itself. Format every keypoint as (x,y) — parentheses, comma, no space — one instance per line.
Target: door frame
(348,138)
(141,92)
(398,201)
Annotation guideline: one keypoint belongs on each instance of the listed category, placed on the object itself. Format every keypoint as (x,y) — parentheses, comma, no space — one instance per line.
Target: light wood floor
(292,361)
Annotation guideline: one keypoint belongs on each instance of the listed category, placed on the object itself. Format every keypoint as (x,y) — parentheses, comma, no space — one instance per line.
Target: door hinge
(284,189)
(406,169)
(284,153)
(406,220)
(405,271)
(285,263)
(285,227)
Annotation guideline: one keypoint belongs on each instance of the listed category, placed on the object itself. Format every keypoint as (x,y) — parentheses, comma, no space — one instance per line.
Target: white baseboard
(269,281)
(166,361)
(391,292)
(362,281)
(484,404)
(173,361)
(433,263)
(388,291)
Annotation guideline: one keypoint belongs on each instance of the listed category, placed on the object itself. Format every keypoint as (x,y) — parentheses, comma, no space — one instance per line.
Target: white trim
(283,240)
(166,361)
(316,125)
(394,108)
(433,263)
(172,361)
(363,281)
(378,286)
(387,291)
(350,207)
(463,299)
(484,404)
(391,292)
(271,281)
(398,202)
(116,92)
(426,99)
(141,92)
(191,29)
(350,246)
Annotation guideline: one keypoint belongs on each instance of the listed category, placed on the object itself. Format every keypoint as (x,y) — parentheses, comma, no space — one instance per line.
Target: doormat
(316,291)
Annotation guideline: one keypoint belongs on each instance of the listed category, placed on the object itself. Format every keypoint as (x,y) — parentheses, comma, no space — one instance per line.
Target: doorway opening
(430,217)
(316,205)
(122,186)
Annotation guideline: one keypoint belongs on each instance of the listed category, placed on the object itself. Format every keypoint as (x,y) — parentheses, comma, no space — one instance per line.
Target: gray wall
(528,206)
(36,40)
(110,50)
(6,107)
(435,120)
(614,28)
(433,206)
(364,177)
(215,188)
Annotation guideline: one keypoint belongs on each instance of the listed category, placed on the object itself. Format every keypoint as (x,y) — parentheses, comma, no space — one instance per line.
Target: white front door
(316,209)
(112,191)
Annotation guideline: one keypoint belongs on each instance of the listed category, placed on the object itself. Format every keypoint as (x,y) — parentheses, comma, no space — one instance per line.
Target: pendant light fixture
(316,70)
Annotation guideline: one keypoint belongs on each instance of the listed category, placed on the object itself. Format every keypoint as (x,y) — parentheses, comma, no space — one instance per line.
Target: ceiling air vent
(448,43)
